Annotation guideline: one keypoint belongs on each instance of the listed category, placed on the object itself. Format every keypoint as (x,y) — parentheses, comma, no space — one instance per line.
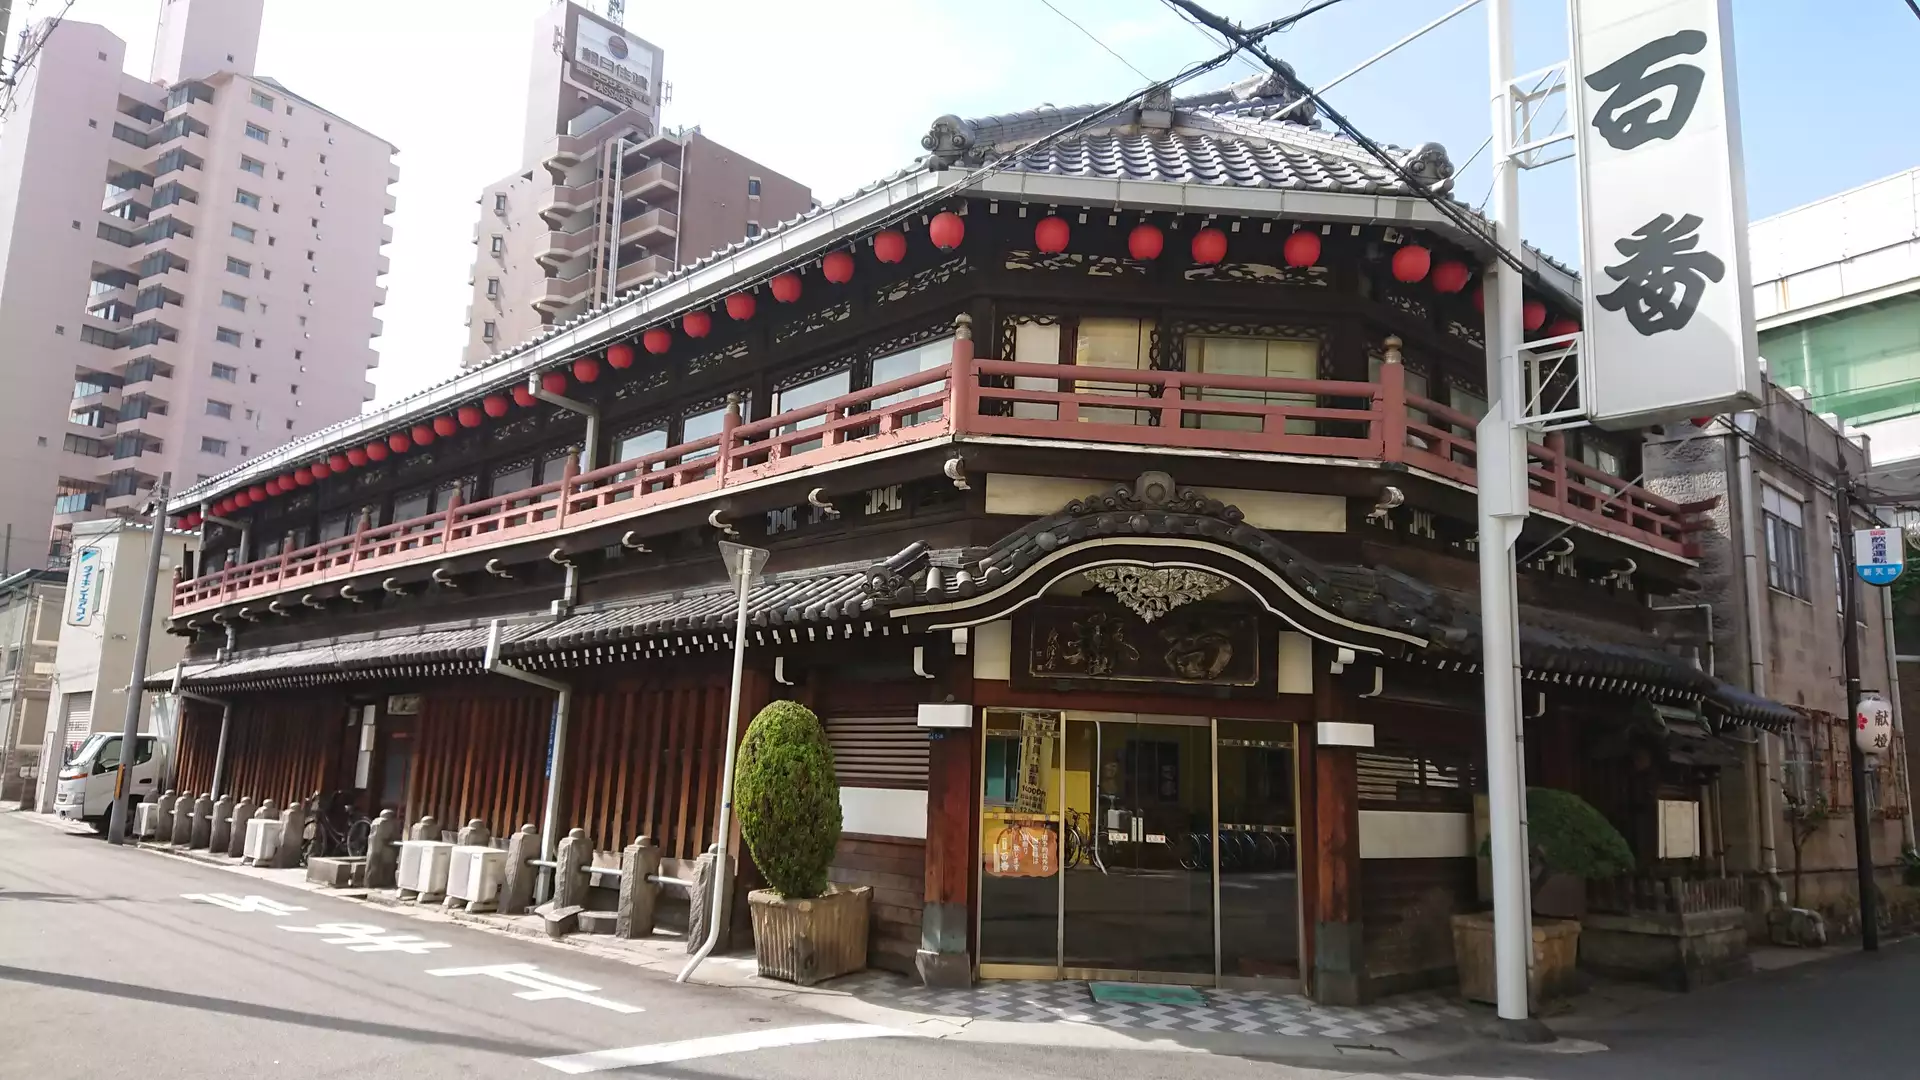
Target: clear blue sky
(837,100)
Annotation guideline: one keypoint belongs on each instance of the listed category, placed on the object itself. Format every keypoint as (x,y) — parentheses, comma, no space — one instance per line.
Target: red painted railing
(1323,418)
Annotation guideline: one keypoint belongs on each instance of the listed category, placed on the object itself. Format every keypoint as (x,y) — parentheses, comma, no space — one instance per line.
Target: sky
(838,94)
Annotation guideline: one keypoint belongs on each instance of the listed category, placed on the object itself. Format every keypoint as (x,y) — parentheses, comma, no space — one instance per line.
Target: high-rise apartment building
(605,200)
(216,301)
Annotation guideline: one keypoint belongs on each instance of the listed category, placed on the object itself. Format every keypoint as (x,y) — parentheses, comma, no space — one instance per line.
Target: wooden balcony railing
(968,398)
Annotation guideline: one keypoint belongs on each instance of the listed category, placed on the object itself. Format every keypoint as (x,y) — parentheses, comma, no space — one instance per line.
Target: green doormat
(1113,993)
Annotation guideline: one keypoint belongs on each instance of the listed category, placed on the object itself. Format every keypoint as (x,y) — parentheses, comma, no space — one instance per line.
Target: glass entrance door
(1138,895)
(1259,851)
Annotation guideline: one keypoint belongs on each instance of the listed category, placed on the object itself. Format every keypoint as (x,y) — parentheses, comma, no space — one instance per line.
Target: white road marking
(366,937)
(541,985)
(242,903)
(712,1045)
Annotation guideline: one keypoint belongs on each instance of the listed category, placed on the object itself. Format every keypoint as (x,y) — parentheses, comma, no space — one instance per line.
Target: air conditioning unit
(146,815)
(423,866)
(475,873)
(263,840)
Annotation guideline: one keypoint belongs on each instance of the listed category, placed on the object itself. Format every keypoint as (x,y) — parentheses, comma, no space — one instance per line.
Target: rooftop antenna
(617,12)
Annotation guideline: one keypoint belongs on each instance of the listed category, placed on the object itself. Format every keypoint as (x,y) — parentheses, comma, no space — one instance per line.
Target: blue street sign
(1879,555)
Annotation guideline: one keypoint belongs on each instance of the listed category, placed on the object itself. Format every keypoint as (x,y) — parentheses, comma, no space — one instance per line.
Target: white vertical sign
(1663,218)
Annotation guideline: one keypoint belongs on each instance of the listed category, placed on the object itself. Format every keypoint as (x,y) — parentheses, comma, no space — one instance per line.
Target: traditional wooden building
(1150,447)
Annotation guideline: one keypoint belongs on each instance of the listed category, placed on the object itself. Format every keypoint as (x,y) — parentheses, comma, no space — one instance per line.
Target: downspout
(589,461)
(1893,697)
(1750,541)
(618,167)
(556,748)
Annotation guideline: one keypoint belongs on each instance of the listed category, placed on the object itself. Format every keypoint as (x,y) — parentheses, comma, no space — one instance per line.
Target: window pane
(1111,343)
(412,506)
(1257,358)
(701,425)
(513,480)
(926,357)
(812,392)
(640,444)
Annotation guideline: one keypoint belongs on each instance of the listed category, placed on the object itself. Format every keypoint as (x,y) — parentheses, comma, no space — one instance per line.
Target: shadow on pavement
(465,1040)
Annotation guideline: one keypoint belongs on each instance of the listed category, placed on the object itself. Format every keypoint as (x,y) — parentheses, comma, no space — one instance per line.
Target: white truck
(85,790)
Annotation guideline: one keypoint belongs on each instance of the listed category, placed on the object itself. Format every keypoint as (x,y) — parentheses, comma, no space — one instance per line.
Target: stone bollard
(638,896)
(517,891)
(425,829)
(476,834)
(200,831)
(570,879)
(182,821)
(242,813)
(293,840)
(383,856)
(220,832)
(709,874)
(163,815)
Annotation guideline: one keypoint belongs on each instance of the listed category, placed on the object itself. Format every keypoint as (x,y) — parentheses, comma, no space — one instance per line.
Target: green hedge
(789,799)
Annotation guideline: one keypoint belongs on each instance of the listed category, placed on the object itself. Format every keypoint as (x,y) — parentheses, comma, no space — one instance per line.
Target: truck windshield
(90,750)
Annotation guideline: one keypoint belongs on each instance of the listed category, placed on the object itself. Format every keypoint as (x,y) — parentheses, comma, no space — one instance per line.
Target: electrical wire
(1091,36)
(1211,38)
(31,45)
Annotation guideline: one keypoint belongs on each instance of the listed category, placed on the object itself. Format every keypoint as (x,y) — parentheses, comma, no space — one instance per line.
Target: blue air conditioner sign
(86,583)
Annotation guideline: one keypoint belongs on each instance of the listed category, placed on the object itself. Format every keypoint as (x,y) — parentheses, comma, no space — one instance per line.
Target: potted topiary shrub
(805,929)
(1565,835)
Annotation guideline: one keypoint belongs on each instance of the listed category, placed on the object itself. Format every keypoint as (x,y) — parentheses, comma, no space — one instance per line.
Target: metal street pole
(743,565)
(136,695)
(1857,758)
(1501,458)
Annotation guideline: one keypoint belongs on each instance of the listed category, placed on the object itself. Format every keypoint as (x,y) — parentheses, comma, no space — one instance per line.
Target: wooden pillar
(946,919)
(1339,953)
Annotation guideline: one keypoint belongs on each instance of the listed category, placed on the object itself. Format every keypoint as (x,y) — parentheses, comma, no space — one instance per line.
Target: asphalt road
(110,967)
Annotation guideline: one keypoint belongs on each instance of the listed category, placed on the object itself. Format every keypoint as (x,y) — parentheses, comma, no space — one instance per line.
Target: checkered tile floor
(1241,1012)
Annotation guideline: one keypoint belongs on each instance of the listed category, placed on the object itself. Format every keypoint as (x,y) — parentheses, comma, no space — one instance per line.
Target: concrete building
(218,302)
(605,200)
(30,606)
(1773,557)
(93,662)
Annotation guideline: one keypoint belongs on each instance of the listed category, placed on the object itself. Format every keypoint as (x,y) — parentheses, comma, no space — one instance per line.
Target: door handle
(148,780)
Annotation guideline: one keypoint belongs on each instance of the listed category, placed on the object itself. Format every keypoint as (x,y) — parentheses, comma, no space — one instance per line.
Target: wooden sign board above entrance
(1088,645)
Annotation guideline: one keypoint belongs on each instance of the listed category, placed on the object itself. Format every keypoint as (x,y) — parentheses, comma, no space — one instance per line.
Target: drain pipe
(556,751)
(589,461)
(1756,640)
(744,565)
(1893,698)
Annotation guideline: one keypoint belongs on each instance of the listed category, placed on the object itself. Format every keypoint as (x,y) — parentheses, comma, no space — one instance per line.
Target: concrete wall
(715,208)
(197,38)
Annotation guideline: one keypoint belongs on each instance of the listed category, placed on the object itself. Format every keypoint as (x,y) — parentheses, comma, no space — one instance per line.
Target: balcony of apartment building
(640,271)
(654,228)
(126,490)
(91,430)
(183,130)
(138,407)
(189,98)
(551,249)
(112,284)
(74,501)
(175,163)
(555,295)
(658,182)
(585,135)
(92,387)
(561,201)
(147,372)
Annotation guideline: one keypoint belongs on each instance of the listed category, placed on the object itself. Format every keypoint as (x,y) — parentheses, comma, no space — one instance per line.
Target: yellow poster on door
(1022,849)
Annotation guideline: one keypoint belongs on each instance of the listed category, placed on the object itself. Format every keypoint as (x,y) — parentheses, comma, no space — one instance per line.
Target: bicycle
(1079,841)
(334,829)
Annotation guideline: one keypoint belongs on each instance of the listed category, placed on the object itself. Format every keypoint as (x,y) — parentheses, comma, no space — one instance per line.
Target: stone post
(293,827)
(237,839)
(638,896)
(708,875)
(383,858)
(427,828)
(163,817)
(476,834)
(182,821)
(517,891)
(570,879)
(200,829)
(220,835)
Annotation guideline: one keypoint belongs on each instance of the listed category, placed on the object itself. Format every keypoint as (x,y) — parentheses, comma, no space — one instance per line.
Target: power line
(1091,36)
(1211,38)
(1915,5)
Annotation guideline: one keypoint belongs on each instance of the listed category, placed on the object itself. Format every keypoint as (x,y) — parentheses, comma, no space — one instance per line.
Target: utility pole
(1857,757)
(136,693)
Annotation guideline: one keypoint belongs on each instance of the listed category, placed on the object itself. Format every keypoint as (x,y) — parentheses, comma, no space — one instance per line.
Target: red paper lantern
(241,499)
(523,397)
(286,484)
(1451,276)
(357,457)
(1050,234)
(220,508)
(494,406)
(423,435)
(554,382)
(257,493)
(303,476)
(697,324)
(1209,246)
(272,486)
(1411,263)
(1701,421)
(1302,248)
(837,267)
(889,246)
(657,340)
(740,306)
(1561,328)
(470,416)
(785,287)
(399,443)
(586,369)
(376,451)
(621,355)
(320,469)
(340,462)
(1533,314)
(445,427)
(1146,242)
(946,230)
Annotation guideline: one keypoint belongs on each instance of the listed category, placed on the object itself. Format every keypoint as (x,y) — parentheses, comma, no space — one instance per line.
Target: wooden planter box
(809,941)
(1556,950)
